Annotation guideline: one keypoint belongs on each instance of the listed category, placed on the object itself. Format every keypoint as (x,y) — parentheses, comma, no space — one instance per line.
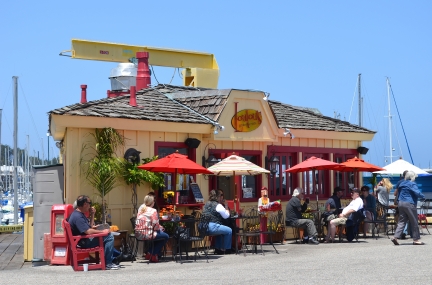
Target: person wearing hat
(355,205)
(293,217)
(333,204)
(332,207)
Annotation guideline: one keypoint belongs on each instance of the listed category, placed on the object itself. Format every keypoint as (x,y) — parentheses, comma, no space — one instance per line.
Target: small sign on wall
(196,191)
(247,193)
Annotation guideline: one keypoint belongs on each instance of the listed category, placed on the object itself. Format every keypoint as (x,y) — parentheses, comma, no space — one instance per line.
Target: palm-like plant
(103,169)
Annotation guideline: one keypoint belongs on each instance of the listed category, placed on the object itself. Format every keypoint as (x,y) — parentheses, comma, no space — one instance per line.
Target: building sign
(246,120)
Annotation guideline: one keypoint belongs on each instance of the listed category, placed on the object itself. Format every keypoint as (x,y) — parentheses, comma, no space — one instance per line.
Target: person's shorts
(338,221)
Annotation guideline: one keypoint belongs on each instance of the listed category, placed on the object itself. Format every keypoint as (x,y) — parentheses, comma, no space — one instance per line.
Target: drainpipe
(83,94)
(132,99)
(143,79)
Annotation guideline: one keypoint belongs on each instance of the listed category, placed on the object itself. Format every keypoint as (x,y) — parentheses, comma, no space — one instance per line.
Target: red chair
(94,263)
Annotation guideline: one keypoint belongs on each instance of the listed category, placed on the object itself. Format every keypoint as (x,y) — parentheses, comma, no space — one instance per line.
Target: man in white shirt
(355,205)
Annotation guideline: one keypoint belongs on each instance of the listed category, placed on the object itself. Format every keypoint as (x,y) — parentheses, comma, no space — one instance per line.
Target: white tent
(399,166)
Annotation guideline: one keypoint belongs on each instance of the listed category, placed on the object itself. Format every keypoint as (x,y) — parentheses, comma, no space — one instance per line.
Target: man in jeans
(80,226)
(294,210)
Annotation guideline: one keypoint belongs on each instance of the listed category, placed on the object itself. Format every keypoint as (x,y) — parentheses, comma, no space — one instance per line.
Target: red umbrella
(175,163)
(311,164)
(356,164)
(314,163)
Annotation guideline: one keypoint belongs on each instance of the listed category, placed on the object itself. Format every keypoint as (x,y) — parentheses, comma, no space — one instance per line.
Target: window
(345,180)
(180,182)
(320,179)
(282,183)
(246,187)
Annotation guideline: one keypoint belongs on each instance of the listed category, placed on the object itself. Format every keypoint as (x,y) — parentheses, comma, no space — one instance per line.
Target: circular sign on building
(246,120)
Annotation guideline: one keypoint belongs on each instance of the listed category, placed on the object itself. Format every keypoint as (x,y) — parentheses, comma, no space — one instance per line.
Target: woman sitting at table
(369,205)
(148,227)
(218,213)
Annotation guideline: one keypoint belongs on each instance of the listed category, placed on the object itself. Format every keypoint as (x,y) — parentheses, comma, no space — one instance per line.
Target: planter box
(279,237)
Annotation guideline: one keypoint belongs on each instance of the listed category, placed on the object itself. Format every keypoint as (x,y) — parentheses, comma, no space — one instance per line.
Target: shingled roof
(288,116)
(152,105)
(200,106)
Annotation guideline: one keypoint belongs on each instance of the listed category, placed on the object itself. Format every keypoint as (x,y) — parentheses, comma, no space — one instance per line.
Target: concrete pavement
(369,261)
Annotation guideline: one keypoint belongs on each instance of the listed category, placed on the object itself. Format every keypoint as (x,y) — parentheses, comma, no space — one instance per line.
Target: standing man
(294,210)
(355,205)
(80,226)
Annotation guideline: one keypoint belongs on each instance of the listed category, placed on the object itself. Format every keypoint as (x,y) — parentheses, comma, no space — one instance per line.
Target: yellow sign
(246,120)
(9,229)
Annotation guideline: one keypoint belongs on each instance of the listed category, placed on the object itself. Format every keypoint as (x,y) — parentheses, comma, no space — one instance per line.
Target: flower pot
(279,237)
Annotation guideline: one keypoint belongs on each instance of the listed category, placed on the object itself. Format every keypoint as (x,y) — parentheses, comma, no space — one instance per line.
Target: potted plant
(103,167)
(134,176)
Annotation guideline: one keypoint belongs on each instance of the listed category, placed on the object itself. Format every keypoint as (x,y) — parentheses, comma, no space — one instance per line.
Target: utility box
(28,233)
(48,189)
(59,240)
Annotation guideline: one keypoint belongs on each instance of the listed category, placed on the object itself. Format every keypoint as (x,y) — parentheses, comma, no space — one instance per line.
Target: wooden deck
(12,251)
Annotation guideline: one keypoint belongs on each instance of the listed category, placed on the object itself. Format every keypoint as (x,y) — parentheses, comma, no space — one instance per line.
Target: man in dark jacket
(333,204)
(293,217)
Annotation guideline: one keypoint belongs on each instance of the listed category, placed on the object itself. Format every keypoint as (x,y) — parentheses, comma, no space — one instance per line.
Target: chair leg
(271,241)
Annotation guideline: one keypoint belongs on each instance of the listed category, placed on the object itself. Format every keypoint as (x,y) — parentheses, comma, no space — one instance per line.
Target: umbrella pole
(317,208)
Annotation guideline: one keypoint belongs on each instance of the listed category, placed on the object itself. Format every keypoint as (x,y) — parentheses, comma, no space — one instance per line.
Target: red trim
(287,151)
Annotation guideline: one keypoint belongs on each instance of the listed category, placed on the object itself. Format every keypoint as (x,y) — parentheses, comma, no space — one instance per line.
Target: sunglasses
(89,202)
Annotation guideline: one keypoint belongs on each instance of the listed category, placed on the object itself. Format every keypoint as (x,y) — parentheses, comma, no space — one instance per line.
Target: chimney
(83,93)
(132,99)
(143,78)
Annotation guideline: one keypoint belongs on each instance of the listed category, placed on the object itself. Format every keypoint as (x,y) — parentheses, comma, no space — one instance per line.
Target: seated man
(293,218)
(332,206)
(355,205)
(81,226)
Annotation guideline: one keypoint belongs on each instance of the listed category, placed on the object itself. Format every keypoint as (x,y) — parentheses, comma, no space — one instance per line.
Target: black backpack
(353,223)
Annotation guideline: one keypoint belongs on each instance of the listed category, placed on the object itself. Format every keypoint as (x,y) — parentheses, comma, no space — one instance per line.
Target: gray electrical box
(48,189)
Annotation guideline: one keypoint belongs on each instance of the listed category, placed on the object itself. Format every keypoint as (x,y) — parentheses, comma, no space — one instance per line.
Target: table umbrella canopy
(356,164)
(313,163)
(399,166)
(236,165)
(175,163)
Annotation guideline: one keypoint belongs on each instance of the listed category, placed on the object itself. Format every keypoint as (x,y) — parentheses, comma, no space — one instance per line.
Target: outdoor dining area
(172,235)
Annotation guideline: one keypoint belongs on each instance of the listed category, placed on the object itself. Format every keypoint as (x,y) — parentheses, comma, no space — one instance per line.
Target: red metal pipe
(132,98)
(143,79)
(83,93)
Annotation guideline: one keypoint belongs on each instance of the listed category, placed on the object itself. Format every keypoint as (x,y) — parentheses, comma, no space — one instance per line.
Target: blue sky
(305,53)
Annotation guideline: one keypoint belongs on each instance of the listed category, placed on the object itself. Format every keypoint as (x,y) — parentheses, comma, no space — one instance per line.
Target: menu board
(197,193)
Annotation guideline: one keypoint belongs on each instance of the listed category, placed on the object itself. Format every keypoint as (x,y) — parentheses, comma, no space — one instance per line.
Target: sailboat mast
(15,139)
(389,121)
(360,101)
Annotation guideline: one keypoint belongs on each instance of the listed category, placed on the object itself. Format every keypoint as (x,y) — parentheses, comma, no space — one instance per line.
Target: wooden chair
(97,263)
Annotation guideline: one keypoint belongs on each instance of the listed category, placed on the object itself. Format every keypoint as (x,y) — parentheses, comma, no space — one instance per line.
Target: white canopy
(399,166)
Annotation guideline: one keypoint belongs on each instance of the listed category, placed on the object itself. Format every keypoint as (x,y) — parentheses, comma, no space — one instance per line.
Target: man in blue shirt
(80,226)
